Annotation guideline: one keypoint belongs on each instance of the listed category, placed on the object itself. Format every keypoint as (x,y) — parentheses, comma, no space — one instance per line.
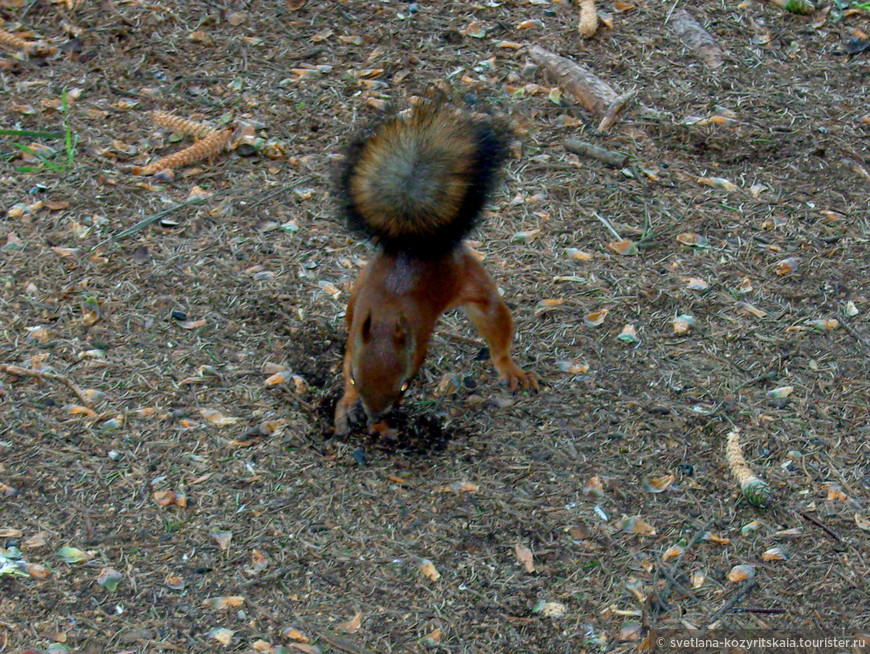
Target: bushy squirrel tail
(418,183)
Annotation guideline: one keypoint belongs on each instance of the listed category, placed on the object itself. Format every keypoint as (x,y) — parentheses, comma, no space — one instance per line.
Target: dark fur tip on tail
(418,183)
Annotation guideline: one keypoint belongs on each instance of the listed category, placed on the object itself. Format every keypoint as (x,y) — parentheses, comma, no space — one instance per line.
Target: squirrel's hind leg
(492,319)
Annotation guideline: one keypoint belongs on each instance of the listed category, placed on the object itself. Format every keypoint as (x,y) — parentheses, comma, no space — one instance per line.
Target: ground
(492,522)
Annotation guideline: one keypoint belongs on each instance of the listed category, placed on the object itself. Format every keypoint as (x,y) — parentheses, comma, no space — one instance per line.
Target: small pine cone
(182,125)
(207,147)
(757,492)
(12,42)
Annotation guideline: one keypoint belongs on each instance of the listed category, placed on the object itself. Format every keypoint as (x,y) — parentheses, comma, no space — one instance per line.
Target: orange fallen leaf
(625,247)
(352,625)
(595,318)
(741,573)
(428,569)
(220,603)
(216,418)
(637,525)
(292,633)
(525,556)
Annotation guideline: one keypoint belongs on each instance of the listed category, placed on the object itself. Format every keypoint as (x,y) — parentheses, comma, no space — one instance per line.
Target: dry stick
(671,575)
(762,611)
(583,85)
(694,36)
(142,224)
(267,197)
(268,578)
(18,371)
(611,158)
(207,147)
(12,42)
(744,590)
(697,537)
(181,125)
(853,333)
(818,524)
(673,6)
(858,168)
(341,643)
(607,224)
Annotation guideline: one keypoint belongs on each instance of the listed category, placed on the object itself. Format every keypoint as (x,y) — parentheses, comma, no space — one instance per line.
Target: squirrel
(416,184)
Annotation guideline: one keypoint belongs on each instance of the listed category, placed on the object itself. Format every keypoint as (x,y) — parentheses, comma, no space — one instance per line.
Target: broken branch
(18,371)
(583,85)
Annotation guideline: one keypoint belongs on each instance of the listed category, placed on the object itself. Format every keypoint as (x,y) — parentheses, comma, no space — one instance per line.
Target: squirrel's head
(382,364)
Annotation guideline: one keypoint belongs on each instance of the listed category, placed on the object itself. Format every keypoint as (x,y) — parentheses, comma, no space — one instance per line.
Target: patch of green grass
(172,526)
(842,5)
(60,163)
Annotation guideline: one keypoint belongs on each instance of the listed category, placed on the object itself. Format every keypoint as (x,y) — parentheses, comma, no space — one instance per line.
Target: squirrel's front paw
(515,377)
(342,418)
(383,430)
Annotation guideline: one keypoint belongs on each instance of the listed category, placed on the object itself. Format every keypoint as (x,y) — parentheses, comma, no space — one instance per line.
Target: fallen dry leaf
(637,525)
(220,603)
(222,538)
(222,635)
(352,625)
(595,318)
(741,573)
(216,418)
(525,556)
(428,569)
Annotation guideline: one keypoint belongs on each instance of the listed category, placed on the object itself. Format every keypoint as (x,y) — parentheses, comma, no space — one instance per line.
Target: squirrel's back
(417,183)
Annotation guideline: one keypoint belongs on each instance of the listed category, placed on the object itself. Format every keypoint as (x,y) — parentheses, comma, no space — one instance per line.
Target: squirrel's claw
(515,377)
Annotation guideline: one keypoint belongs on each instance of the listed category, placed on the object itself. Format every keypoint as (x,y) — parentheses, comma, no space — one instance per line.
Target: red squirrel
(416,185)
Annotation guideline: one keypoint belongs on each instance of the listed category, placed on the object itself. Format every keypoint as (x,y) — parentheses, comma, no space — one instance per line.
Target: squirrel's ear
(367,328)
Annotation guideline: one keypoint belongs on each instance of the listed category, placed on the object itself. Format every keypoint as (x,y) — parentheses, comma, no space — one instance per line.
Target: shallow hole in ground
(411,430)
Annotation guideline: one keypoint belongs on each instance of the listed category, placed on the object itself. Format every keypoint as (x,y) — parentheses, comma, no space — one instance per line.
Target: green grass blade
(31,135)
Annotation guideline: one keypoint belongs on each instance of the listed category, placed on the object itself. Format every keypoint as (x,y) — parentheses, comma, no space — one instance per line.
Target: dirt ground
(573,520)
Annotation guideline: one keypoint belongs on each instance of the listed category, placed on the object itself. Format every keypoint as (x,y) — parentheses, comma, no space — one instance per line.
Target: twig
(582,84)
(762,611)
(267,578)
(142,224)
(744,590)
(770,374)
(18,371)
(607,224)
(341,643)
(267,197)
(827,530)
(611,158)
(672,583)
(697,537)
(853,333)
(694,36)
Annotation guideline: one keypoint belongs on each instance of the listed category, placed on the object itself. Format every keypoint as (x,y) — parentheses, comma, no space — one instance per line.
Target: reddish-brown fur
(393,309)
(417,184)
